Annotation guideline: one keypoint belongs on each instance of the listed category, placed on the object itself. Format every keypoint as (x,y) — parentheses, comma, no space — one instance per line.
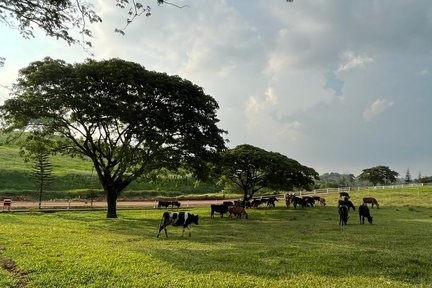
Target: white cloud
(423,72)
(352,61)
(376,108)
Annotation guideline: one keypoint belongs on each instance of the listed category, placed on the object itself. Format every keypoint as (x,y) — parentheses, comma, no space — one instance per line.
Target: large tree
(252,169)
(379,175)
(129,121)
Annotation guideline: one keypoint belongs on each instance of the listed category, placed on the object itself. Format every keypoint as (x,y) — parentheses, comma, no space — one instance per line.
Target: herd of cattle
(238,209)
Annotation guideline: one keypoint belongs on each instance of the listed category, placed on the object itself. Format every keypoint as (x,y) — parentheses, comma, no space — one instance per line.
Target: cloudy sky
(338,85)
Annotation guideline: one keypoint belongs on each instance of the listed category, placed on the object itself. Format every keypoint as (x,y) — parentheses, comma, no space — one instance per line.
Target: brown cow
(370,200)
(237,211)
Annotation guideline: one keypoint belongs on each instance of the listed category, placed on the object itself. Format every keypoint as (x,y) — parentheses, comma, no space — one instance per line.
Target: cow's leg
(162,226)
(186,227)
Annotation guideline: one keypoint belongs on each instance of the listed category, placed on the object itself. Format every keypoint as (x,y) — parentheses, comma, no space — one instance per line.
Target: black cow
(320,200)
(255,203)
(343,214)
(345,195)
(166,204)
(364,212)
(347,203)
(309,201)
(298,201)
(177,219)
(270,201)
(221,209)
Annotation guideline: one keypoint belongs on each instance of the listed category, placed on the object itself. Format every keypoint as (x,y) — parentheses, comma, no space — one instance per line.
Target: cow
(237,211)
(298,201)
(166,204)
(228,203)
(320,200)
(345,195)
(364,212)
(270,201)
(309,201)
(347,203)
(371,200)
(343,214)
(255,203)
(175,203)
(221,209)
(177,219)
(289,198)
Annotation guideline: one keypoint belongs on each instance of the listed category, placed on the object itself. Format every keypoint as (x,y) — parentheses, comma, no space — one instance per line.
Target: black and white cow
(177,219)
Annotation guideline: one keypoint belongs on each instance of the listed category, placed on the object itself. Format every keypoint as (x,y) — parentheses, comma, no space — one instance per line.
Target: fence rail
(358,188)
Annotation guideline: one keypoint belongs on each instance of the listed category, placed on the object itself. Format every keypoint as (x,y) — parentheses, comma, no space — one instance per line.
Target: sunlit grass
(274,248)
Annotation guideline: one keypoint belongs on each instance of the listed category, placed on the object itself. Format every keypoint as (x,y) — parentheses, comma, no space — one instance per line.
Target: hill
(75,178)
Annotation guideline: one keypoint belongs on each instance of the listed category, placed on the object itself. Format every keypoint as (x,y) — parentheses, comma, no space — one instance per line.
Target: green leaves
(252,168)
(379,174)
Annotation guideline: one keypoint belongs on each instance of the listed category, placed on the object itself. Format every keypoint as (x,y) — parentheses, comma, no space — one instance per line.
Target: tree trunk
(112,203)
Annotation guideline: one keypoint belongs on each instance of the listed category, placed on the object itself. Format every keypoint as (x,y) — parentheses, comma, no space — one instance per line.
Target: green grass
(74,178)
(273,248)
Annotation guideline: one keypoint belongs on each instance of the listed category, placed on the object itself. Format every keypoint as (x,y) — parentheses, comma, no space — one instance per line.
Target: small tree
(252,169)
(37,149)
(408,176)
(42,169)
(379,174)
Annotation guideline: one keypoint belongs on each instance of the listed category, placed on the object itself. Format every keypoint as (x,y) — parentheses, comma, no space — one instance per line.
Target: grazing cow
(176,204)
(255,203)
(237,211)
(270,201)
(364,212)
(344,195)
(371,200)
(347,203)
(343,214)
(289,198)
(228,203)
(177,219)
(166,204)
(298,201)
(309,201)
(320,200)
(221,209)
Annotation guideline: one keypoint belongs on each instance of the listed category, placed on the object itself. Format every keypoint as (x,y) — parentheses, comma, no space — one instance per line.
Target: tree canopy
(379,175)
(64,19)
(129,121)
(252,169)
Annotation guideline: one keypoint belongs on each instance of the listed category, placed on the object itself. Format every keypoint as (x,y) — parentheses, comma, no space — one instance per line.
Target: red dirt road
(26,205)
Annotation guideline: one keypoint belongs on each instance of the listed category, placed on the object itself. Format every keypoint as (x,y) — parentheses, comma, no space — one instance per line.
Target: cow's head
(370,219)
(194,219)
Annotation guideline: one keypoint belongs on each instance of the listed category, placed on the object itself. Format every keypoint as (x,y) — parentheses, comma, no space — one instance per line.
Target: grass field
(276,247)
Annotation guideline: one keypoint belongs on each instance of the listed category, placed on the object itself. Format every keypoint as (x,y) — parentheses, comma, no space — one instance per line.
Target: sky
(339,86)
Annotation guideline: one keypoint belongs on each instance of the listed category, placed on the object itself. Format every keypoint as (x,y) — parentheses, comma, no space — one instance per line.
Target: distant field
(274,248)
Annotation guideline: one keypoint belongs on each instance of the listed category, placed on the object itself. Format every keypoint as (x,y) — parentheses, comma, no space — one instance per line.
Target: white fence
(353,189)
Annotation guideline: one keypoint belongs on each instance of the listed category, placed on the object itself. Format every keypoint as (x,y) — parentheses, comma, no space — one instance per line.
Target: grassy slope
(274,248)
(73,178)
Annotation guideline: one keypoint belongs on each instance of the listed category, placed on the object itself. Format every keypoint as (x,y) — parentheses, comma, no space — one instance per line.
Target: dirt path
(25,205)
